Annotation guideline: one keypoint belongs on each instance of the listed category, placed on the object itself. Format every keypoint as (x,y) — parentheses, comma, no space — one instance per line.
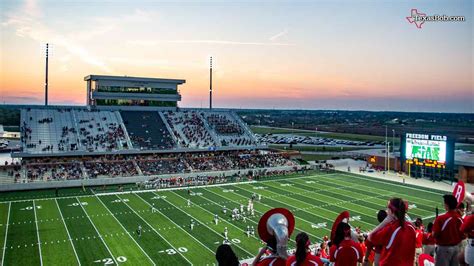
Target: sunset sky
(362,55)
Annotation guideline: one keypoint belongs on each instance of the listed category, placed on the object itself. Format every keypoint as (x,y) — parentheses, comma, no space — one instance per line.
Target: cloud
(21,99)
(162,63)
(27,24)
(278,35)
(220,42)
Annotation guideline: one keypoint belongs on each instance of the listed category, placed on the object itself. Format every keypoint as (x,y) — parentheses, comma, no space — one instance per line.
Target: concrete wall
(125,180)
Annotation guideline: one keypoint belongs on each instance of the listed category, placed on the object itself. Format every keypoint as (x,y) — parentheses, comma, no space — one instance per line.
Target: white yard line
(146,254)
(249,253)
(296,208)
(68,235)
(97,231)
(360,197)
(6,233)
(212,251)
(37,233)
(166,189)
(410,186)
(415,197)
(250,219)
(238,228)
(177,250)
(271,207)
(303,209)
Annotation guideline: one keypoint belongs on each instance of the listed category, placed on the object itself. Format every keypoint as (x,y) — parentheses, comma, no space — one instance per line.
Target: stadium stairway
(244,125)
(120,121)
(169,129)
(213,134)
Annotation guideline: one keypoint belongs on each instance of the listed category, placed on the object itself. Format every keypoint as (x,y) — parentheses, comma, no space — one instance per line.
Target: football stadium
(133,179)
(310,142)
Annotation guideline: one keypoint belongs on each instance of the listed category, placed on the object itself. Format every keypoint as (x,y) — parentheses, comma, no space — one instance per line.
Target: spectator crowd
(68,168)
(395,241)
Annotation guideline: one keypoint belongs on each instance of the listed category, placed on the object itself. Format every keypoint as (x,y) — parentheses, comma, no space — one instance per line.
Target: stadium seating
(189,129)
(60,130)
(106,166)
(147,130)
(99,131)
(48,131)
(229,129)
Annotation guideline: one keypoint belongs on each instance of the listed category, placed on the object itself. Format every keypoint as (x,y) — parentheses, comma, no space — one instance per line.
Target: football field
(102,229)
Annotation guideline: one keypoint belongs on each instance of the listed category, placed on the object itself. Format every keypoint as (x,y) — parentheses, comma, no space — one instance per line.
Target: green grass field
(102,229)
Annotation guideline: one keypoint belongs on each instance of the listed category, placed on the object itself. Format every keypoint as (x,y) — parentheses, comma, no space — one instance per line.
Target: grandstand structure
(131,139)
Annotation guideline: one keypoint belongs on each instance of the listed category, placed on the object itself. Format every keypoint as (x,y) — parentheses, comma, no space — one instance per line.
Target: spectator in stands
(428,240)
(396,236)
(447,233)
(272,257)
(303,256)
(372,255)
(225,256)
(323,252)
(419,238)
(345,251)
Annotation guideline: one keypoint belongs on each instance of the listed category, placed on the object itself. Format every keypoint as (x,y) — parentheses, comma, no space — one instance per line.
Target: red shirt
(324,255)
(271,260)
(428,239)
(398,244)
(347,254)
(310,260)
(363,247)
(468,226)
(446,229)
(419,238)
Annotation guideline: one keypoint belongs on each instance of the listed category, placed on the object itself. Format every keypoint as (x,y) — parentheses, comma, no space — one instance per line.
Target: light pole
(386,149)
(210,83)
(393,141)
(46,77)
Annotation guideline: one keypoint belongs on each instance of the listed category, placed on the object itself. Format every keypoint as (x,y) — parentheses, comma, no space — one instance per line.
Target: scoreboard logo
(428,149)
(426,136)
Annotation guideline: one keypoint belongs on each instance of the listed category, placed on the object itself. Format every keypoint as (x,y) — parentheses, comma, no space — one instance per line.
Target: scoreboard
(427,150)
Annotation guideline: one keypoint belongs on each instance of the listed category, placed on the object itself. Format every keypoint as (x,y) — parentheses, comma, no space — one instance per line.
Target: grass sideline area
(102,229)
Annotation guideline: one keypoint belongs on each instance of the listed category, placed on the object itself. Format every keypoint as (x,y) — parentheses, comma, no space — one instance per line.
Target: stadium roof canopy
(139,79)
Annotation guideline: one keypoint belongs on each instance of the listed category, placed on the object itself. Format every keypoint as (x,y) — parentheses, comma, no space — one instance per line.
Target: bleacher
(147,131)
(78,130)
(48,131)
(190,129)
(229,129)
(99,131)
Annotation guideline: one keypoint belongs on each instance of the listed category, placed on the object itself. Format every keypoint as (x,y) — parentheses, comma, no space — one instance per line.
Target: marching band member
(225,256)
(396,236)
(274,228)
(446,231)
(428,240)
(345,251)
(303,256)
(419,238)
(372,254)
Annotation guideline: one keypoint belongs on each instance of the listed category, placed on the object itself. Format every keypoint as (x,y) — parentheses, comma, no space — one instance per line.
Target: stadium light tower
(210,83)
(46,77)
(393,141)
(386,149)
